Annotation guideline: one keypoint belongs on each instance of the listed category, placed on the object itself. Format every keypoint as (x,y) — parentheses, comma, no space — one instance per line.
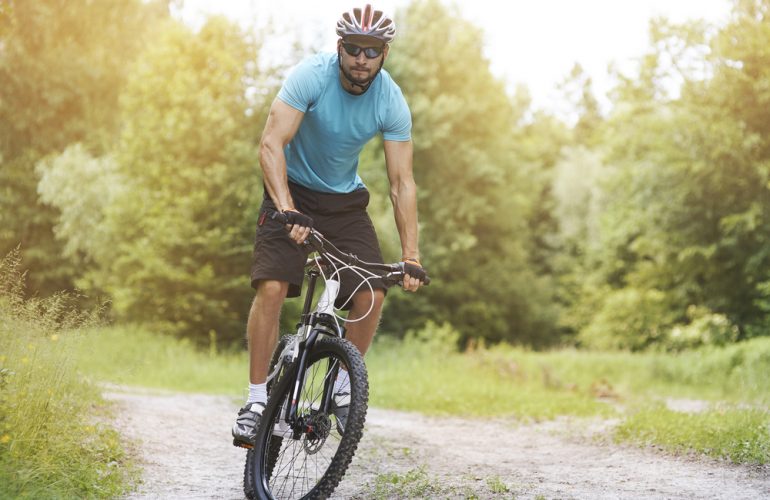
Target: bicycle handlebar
(394,272)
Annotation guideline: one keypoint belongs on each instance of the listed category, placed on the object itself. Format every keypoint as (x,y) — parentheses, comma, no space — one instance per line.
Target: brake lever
(398,275)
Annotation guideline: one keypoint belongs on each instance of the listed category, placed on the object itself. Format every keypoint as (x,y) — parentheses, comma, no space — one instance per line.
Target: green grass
(437,381)
(496,485)
(740,435)
(131,355)
(422,374)
(735,373)
(414,483)
(417,483)
(55,441)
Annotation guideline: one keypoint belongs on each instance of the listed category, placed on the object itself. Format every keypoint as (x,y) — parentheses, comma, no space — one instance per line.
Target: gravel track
(183,444)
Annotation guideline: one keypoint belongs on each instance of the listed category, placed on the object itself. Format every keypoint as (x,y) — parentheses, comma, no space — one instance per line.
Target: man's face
(360,68)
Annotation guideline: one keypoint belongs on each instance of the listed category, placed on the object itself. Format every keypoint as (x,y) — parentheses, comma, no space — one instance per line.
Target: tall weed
(53,443)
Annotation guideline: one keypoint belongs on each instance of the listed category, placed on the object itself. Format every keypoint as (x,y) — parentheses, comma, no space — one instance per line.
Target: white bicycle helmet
(367,22)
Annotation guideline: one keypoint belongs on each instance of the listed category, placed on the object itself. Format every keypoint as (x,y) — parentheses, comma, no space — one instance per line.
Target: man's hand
(414,275)
(298,225)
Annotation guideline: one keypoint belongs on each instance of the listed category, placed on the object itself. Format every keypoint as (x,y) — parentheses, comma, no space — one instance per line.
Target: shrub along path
(185,449)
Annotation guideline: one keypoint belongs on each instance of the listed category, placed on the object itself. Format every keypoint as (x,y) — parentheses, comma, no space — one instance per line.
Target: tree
(474,192)
(173,243)
(685,230)
(62,65)
(188,148)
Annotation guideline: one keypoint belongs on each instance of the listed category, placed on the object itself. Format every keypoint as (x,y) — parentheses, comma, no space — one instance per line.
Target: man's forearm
(404,198)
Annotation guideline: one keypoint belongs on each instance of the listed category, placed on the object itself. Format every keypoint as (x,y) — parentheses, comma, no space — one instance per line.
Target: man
(329,107)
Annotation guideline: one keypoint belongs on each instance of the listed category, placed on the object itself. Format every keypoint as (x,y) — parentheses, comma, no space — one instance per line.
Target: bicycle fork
(312,326)
(295,411)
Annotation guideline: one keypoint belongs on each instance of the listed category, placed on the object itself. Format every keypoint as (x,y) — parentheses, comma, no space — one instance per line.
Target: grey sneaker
(340,407)
(246,425)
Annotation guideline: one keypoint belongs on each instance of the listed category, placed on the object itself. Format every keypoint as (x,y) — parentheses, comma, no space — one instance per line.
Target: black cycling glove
(415,270)
(297,218)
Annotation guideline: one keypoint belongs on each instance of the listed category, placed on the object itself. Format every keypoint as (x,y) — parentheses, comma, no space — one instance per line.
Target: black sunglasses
(369,52)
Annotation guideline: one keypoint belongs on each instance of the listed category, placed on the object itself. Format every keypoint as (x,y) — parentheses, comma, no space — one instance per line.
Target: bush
(705,328)
(628,319)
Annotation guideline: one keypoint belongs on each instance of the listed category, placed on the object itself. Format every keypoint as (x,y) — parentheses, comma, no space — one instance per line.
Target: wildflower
(5,438)
(54,337)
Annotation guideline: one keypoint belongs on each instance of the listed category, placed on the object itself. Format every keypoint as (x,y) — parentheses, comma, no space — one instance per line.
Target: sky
(532,42)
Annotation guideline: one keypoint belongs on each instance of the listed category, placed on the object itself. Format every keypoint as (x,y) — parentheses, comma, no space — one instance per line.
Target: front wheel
(313,451)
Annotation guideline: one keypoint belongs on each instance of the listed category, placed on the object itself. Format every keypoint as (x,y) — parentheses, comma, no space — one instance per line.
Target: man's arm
(403,194)
(282,123)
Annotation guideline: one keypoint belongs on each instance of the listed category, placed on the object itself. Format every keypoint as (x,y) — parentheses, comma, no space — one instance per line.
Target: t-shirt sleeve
(302,87)
(397,125)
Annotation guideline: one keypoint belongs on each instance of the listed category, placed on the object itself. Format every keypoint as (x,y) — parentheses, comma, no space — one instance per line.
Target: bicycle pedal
(240,444)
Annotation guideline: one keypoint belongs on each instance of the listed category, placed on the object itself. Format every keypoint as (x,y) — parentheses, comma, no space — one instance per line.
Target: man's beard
(361,81)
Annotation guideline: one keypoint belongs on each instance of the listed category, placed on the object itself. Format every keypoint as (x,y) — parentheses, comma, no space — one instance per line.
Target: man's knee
(271,291)
(364,298)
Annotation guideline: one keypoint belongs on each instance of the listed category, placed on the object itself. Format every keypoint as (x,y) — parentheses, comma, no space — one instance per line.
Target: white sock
(257,393)
(342,384)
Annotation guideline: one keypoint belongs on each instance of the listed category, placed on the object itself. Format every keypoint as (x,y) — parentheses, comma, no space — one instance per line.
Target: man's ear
(339,44)
(385,52)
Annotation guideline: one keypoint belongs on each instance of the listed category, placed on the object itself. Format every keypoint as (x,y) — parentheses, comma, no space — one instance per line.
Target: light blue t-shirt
(323,155)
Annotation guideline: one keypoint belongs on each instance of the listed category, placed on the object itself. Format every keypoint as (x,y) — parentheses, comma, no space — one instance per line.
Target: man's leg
(262,327)
(362,332)
(262,333)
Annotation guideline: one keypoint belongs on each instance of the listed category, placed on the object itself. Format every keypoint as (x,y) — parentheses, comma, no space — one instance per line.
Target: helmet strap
(363,86)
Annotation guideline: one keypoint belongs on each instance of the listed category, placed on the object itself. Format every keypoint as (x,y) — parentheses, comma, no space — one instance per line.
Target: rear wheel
(312,453)
(248,472)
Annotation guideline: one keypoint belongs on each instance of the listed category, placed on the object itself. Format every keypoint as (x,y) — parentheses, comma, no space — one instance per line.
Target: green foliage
(740,435)
(61,70)
(82,188)
(680,257)
(577,188)
(53,439)
(578,89)
(705,328)
(635,318)
(472,186)
(174,243)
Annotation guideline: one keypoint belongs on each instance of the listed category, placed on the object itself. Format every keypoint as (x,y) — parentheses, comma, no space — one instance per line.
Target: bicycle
(303,448)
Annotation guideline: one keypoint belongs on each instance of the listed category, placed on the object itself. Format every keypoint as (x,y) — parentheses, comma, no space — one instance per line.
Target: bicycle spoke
(307,453)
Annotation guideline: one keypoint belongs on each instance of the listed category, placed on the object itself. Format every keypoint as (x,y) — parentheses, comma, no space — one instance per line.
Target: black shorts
(341,218)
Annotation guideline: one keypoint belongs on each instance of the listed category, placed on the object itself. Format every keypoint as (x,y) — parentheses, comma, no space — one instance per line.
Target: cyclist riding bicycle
(328,108)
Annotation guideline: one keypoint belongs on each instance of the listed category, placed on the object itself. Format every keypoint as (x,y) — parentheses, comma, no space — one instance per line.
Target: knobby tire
(313,465)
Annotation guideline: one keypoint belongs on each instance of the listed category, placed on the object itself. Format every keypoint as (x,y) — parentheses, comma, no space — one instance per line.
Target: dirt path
(186,452)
